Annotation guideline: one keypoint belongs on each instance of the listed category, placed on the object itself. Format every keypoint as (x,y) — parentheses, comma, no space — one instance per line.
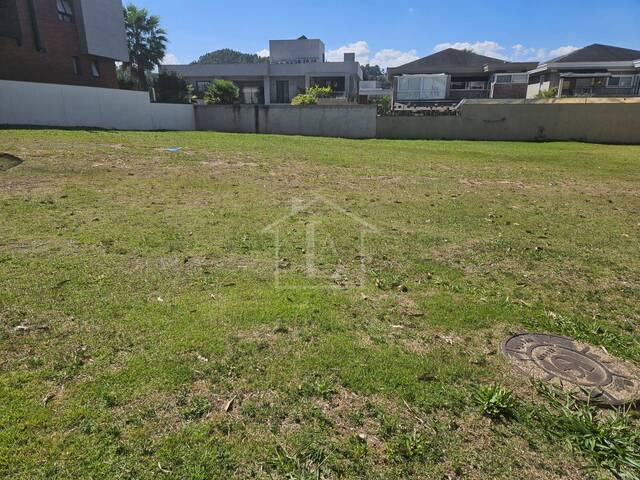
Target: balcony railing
(460,94)
(601,92)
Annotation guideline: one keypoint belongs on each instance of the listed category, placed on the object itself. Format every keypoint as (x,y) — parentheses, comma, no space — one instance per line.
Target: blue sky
(394,32)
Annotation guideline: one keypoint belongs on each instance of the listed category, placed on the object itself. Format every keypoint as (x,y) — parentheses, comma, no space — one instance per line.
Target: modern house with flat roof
(452,75)
(73,42)
(593,71)
(294,65)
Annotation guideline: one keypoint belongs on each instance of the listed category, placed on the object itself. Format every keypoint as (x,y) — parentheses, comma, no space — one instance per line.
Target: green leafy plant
(304,99)
(411,446)
(222,92)
(495,401)
(384,104)
(318,91)
(318,387)
(609,439)
(311,95)
(551,93)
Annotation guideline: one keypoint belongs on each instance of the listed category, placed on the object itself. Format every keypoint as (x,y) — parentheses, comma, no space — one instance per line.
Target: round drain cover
(550,357)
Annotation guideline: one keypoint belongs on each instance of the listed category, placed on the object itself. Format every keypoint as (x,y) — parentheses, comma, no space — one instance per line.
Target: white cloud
(170,59)
(387,57)
(263,53)
(517,53)
(360,48)
(559,52)
(487,47)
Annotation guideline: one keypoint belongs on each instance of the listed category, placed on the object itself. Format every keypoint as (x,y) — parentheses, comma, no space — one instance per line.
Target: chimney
(349,57)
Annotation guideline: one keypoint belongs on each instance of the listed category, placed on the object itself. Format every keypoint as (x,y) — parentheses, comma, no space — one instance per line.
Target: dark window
(458,85)
(622,81)
(65,12)
(282,91)
(76,66)
(95,69)
(9,21)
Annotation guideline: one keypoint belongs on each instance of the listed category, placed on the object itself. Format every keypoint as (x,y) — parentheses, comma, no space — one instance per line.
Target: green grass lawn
(144,333)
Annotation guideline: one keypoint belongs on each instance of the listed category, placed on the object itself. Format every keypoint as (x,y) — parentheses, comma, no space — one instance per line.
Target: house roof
(599,53)
(452,60)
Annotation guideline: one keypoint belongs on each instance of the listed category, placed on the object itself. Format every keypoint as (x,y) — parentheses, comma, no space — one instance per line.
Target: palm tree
(147,41)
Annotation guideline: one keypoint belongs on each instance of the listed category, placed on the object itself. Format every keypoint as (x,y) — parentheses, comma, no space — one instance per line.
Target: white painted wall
(43,104)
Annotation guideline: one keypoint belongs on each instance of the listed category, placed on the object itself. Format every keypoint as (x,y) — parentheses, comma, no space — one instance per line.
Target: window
(512,78)
(95,69)
(251,95)
(476,86)
(76,66)
(65,12)
(458,85)
(621,81)
(202,86)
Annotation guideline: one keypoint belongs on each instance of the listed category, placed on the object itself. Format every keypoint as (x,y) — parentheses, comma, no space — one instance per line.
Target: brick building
(74,42)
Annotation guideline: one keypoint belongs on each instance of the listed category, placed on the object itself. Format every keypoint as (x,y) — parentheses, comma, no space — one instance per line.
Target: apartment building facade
(73,42)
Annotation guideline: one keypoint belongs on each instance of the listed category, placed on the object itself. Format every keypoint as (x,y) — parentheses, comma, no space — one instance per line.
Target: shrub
(304,99)
(319,92)
(551,93)
(171,89)
(310,97)
(384,104)
(222,92)
(495,401)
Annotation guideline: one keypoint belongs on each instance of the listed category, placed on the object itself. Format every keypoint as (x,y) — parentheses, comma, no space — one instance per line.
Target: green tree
(146,40)
(222,92)
(171,89)
(371,72)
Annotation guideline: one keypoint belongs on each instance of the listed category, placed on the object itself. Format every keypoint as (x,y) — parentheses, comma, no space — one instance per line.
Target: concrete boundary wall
(592,120)
(347,121)
(598,122)
(43,104)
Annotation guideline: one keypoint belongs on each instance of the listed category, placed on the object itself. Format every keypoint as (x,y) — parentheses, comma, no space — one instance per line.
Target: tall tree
(147,41)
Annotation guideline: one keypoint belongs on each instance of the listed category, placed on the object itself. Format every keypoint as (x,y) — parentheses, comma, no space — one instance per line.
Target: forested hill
(226,55)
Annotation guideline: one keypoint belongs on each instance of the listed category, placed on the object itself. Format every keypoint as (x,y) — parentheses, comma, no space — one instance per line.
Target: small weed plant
(495,401)
(608,438)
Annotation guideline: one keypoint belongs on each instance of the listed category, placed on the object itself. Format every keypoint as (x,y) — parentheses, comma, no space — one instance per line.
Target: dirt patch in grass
(8,161)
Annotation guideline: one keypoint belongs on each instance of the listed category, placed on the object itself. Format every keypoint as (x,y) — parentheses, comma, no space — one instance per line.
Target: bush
(222,92)
(384,104)
(319,92)
(171,89)
(551,93)
(304,99)
(310,97)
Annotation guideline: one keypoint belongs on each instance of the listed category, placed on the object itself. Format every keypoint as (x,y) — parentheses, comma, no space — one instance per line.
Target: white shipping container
(422,87)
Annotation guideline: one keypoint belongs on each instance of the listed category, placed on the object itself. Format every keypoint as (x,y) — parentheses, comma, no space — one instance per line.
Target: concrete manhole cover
(8,161)
(552,358)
